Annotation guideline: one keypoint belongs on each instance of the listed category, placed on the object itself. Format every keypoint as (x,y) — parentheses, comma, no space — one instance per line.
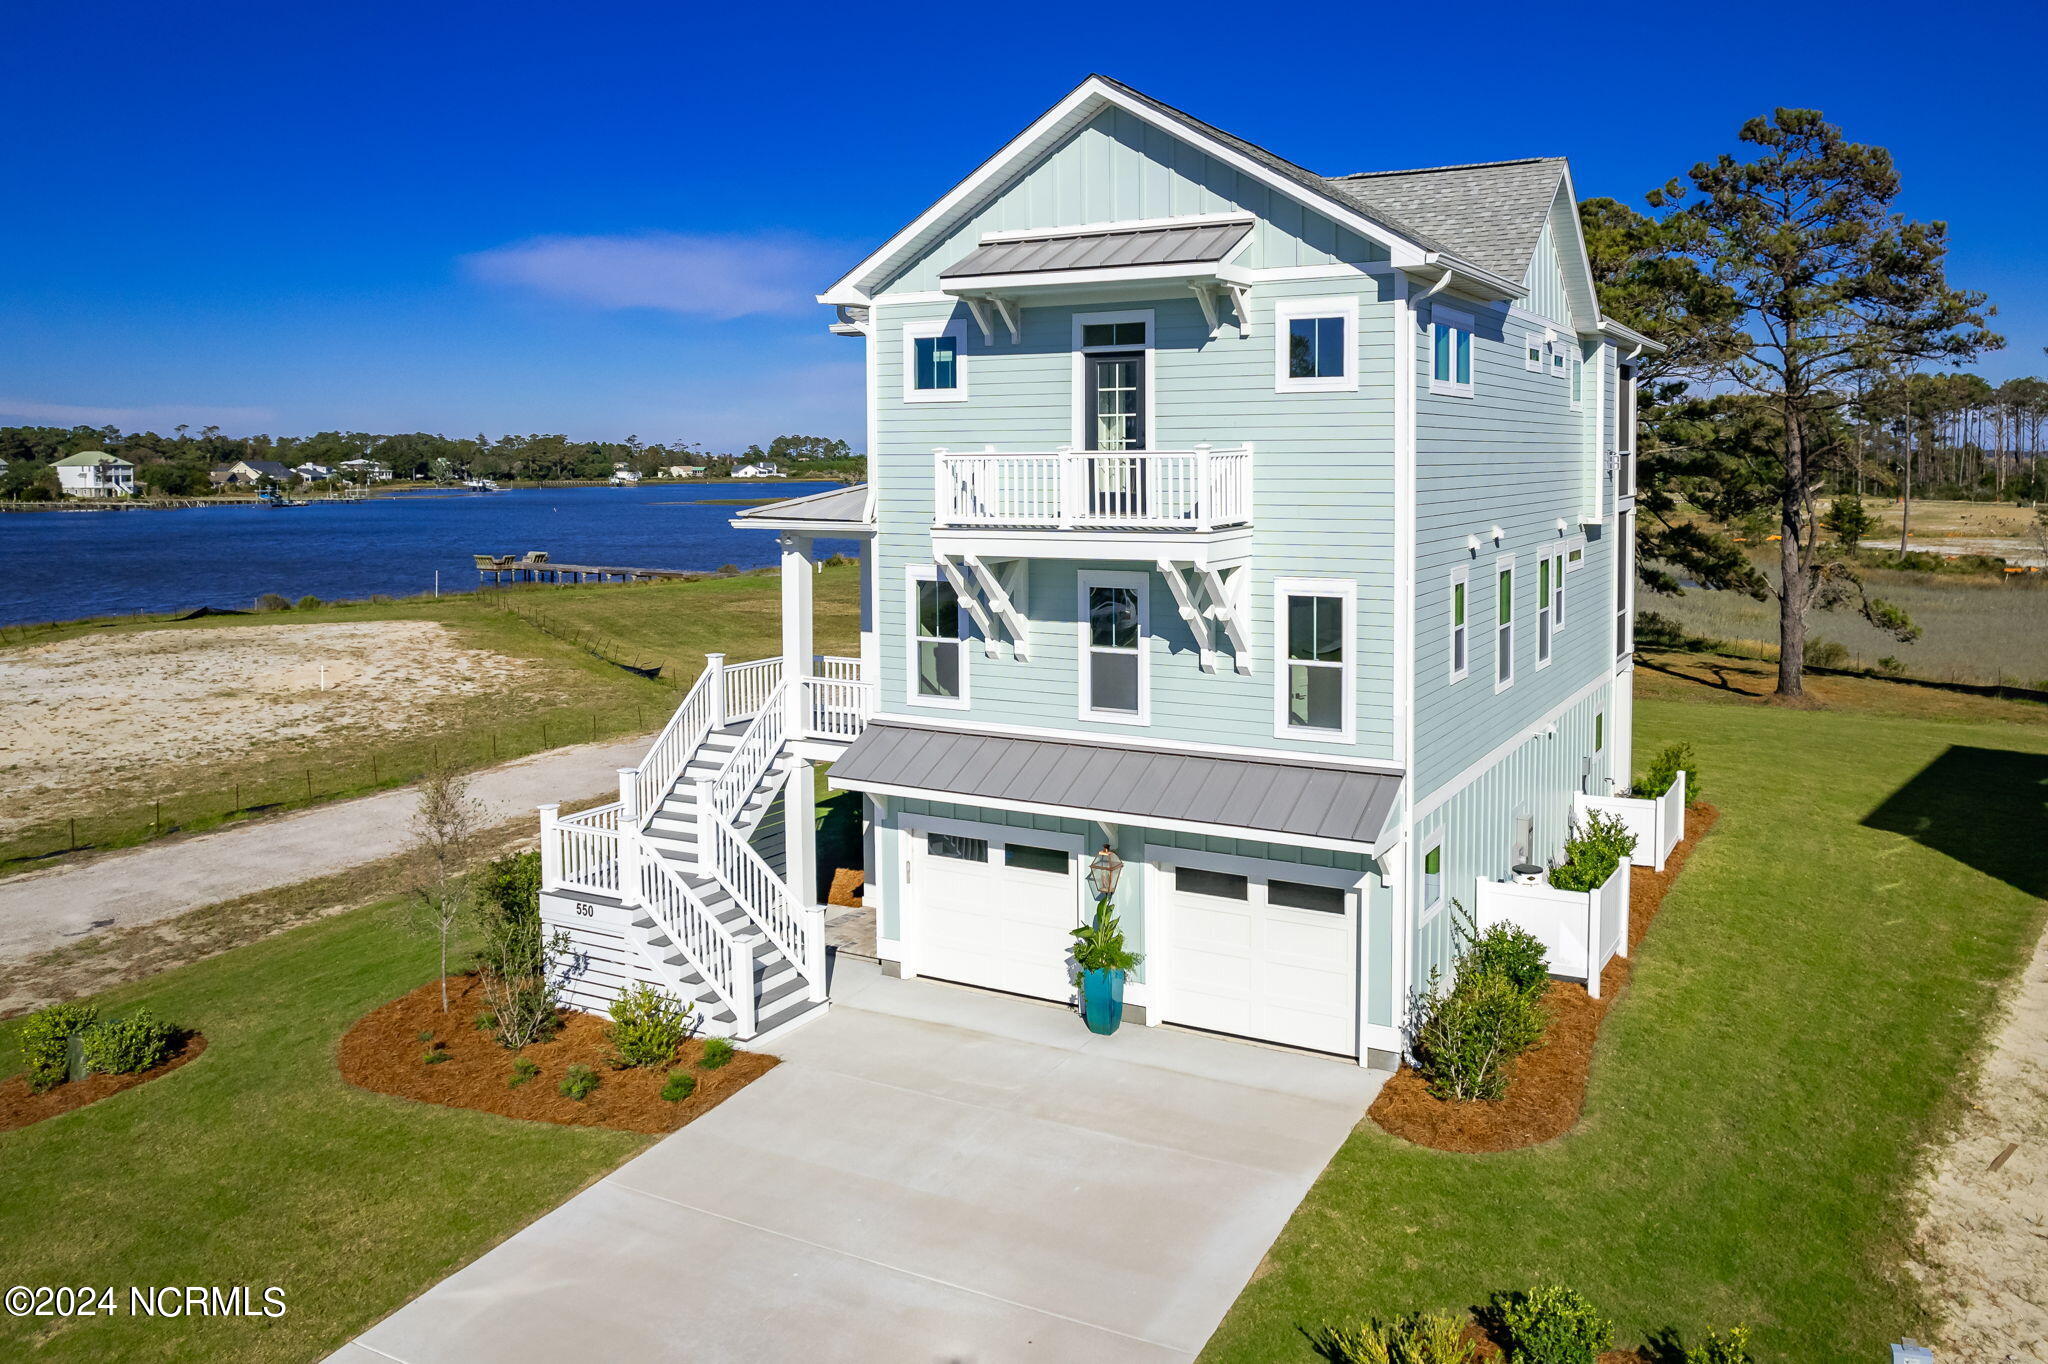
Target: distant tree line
(178,465)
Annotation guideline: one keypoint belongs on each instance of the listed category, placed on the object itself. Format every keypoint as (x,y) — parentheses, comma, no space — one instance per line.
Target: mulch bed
(383,1052)
(1548,1088)
(21,1107)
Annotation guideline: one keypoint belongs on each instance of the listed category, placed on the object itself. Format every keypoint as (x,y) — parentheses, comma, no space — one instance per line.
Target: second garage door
(995,908)
(1263,956)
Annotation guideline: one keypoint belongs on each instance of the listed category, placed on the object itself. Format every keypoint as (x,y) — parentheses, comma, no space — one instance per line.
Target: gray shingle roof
(1093,250)
(1272,798)
(1492,213)
(837,507)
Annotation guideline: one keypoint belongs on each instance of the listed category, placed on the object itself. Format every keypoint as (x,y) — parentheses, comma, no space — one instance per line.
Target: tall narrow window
(938,655)
(1460,660)
(1315,659)
(1314,339)
(1450,349)
(1557,588)
(1543,612)
(1624,574)
(1504,625)
(1113,682)
(1625,432)
(1578,382)
(1599,730)
(1432,879)
(934,366)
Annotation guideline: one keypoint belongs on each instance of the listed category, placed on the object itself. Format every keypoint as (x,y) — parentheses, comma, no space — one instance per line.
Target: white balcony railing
(1200,489)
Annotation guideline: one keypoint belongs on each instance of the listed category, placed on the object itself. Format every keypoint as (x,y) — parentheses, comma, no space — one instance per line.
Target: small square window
(1315,348)
(1532,352)
(1113,334)
(938,363)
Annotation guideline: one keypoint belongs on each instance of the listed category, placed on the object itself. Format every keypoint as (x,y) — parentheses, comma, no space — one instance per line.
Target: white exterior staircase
(666,884)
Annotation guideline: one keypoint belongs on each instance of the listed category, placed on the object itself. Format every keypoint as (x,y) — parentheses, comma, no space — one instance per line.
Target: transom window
(939,655)
(1450,346)
(1314,338)
(1113,334)
(1315,649)
(1113,629)
(1504,626)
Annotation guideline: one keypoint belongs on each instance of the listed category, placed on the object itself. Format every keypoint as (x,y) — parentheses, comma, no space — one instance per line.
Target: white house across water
(1272,530)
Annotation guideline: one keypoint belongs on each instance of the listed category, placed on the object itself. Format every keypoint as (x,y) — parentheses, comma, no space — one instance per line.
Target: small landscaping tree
(647,1027)
(512,962)
(1468,1036)
(445,826)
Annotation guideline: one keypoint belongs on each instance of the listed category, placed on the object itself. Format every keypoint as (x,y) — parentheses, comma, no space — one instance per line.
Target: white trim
(1557,572)
(1500,752)
(1080,371)
(1577,377)
(1167,858)
(1504,563)
(1625,583)
(1022,234)
(1289,274)
(1546,617)
(1533,341)
(1346,590)
(1343,307)
(913,574)
(978,726)
(1456,322)
(1574,544)
(1141,584)
(1091,276)
(913,332)
(1431,908)
(1461,576)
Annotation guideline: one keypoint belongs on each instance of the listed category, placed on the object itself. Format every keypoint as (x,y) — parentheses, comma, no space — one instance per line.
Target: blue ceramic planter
(1102,1000)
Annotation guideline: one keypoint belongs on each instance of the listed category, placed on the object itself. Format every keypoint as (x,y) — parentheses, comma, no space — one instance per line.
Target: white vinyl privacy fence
(1581,931)
(1657,822)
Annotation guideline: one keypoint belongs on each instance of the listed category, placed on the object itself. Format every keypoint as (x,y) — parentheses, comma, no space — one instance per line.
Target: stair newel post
(629,834)
(714,668)
(550,848)
(814,951)
(707,812)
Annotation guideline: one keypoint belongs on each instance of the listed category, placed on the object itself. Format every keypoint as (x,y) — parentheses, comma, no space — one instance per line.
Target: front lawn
(257,1165)
(1795,1027)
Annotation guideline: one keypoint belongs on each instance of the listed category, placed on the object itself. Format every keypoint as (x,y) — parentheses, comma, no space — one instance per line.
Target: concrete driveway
(933,1174)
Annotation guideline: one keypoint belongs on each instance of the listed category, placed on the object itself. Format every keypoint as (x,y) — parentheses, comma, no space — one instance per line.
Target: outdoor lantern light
(1103,871)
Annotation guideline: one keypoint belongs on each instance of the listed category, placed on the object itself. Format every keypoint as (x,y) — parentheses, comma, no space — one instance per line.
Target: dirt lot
(83,714)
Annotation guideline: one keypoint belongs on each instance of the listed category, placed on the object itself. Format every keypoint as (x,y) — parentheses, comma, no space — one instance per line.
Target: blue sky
(608,220)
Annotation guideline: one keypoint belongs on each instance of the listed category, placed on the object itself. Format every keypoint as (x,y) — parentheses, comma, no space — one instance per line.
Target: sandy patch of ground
(83,714)
(1982,1244)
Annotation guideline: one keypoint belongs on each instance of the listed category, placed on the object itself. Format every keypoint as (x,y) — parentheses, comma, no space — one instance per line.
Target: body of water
(62,565)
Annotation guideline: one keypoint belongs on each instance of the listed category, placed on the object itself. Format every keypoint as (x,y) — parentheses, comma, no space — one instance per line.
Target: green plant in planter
(1099,944)
(1510,951)
(1591,853)
(522,1070)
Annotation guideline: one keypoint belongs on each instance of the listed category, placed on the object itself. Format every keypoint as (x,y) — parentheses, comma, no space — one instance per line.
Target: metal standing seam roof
(848,506)
(1191,245)
(1270,798)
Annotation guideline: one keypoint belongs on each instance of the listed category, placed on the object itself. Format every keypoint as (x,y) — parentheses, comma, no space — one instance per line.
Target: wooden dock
(499,569)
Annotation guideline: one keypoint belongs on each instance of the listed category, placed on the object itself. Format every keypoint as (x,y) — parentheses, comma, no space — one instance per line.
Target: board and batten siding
(1513,455)
(1547,297)
(1119,168)
(1322,502)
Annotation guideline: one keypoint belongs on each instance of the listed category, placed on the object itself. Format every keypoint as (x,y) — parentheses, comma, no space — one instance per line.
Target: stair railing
(708,945)
(702,711)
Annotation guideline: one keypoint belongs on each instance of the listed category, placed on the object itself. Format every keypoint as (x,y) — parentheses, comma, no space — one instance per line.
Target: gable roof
(1493,211)
(88,459)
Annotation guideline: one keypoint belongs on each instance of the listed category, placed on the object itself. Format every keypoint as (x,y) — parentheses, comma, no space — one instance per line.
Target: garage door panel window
(1301,895)
(1221,885)
(957,847)
(1029,858)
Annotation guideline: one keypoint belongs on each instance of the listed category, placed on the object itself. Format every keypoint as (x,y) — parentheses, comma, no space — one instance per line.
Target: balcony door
(1115,415)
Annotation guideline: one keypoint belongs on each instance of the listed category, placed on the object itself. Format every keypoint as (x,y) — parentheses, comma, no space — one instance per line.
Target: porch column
(800,866)
(796,632)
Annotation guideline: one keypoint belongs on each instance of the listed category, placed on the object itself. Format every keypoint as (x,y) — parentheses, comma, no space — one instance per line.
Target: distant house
(763,469)
(248,473)
(95,473)
(672,471)
(623,477)
(366,470)
(313,473)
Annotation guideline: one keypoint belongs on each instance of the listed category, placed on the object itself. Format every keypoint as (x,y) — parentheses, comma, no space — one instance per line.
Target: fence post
(550,848)
(1593,962)
(714,665)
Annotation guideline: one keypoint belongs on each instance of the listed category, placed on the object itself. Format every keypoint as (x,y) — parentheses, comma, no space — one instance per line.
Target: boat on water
(480,485)
(271,497)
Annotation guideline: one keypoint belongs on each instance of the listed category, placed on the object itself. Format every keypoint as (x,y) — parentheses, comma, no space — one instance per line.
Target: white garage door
(1263,957)
(995,911)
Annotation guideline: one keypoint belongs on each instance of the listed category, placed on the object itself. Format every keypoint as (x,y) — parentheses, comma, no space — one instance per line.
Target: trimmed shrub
(128,1046)
(1510,951)
(647,1027)
(1591,853)
(1826,653)
(577,1082)
(717,1051)
(307,603)
(1470,1035)
(273,601)
(1664,770)
(680,1086)
(1419,1338)
(1551,1326)
(45,1042)
(1732,1348)
(522,1071)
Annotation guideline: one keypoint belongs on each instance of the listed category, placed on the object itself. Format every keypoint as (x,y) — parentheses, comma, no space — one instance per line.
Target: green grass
(576,638)
(1800,1018)
(256,1164)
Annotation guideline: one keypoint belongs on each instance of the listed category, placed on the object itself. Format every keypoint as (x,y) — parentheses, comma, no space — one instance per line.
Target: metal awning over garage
(1276,799)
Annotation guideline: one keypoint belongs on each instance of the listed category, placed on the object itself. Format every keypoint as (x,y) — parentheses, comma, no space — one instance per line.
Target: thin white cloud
(161,418)
(700,274)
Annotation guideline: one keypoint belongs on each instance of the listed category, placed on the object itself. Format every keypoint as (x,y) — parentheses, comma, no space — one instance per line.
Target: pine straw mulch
(21,1107)
(383,1052)
(1548,1087)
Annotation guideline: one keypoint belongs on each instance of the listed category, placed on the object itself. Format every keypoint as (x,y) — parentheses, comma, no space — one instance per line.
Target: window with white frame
(1578,383)
(1543,622)
(934,362)
(1625,431)
(938,652)
(1433,880)
(1460,636)
(1599,730)
(1504,623)
(1624,575)
(1532,352)
(1450,353)
(1114,626)
(1559,366)
(1315,344)
(1315,666)
(1575,554)
(1557,589)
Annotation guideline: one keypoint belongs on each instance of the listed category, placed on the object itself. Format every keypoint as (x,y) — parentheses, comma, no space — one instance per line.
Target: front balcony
(1183,505)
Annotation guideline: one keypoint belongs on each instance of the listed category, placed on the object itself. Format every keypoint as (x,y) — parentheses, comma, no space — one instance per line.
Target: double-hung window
(934,362)
(1114,617)
(1543,618)
(938,653)
(1504,623)
(1460,636)
(1315,664)
(1450,353)
(1315,341)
